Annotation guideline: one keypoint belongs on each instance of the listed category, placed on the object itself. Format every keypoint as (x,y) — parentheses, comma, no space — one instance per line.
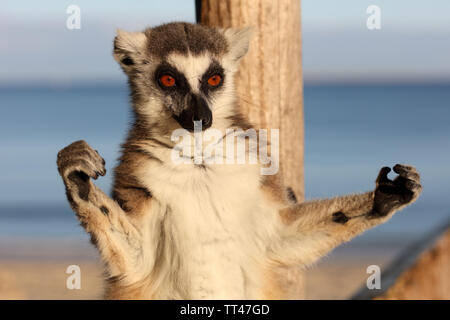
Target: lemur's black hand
(392,194)
(76,164)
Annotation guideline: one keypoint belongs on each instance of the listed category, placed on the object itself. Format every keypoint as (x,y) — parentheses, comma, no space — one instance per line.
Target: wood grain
(419,272)
(428,278)
(270,83)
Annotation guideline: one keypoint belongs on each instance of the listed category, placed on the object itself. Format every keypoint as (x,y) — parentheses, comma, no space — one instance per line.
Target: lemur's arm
(115,233)
(311,229)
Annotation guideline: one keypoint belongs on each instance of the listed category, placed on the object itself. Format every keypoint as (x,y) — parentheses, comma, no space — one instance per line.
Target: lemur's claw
(383,175)
(393,194)
(80,157)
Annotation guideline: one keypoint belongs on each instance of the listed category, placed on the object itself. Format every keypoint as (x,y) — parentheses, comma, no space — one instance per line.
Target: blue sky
(36,47)
(406,15)
(412,45)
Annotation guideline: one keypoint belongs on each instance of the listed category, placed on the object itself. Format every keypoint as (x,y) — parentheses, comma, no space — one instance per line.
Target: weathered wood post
(419,272)
(270,82)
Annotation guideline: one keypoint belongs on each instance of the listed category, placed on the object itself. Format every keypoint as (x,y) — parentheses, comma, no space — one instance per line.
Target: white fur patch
(131,41)
(220,224)
(193,67)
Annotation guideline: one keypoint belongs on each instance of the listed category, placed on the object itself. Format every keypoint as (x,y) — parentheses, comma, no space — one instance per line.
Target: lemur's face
(180,73)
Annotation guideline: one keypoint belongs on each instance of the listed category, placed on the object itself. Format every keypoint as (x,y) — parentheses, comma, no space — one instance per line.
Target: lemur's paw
(77,163)
(393,194)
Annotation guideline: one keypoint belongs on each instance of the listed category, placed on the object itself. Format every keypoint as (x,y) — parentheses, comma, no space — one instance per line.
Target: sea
(351,131)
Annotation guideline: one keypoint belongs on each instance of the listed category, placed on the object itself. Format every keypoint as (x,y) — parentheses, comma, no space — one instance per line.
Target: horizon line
(97,84)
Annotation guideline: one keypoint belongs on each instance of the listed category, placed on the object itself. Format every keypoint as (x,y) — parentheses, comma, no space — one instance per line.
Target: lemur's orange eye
(215,80)
(167,81)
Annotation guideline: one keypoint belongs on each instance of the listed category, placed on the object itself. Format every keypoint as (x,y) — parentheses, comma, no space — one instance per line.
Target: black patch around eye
(127,61)
(181,83)
(214,69)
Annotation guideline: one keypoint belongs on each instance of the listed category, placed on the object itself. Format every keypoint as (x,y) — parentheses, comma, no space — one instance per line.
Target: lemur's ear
(129,48)
(239,41)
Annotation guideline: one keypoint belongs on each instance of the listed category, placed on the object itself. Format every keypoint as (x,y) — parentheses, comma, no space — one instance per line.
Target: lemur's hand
(76,164)
(391,195)
(117,238)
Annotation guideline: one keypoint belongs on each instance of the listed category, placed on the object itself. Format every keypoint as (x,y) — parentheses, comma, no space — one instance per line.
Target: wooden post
(270,83)
(419,272)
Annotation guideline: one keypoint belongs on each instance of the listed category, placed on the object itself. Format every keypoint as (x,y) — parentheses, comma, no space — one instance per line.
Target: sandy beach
(30,279)
(37,270)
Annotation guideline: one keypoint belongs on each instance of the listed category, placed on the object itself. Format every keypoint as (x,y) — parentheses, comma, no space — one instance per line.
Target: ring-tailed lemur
(199,231)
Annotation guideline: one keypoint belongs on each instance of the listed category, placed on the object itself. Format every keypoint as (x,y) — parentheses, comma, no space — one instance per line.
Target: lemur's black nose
(201,111)
(197,109)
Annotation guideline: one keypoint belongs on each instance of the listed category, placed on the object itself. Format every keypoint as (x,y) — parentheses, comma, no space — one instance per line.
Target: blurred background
(371,98)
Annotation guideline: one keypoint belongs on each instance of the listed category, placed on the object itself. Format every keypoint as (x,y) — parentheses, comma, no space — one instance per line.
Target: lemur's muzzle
(197,110)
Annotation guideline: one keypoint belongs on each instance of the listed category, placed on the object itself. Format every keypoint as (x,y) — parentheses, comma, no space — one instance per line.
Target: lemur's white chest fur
(218,223)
